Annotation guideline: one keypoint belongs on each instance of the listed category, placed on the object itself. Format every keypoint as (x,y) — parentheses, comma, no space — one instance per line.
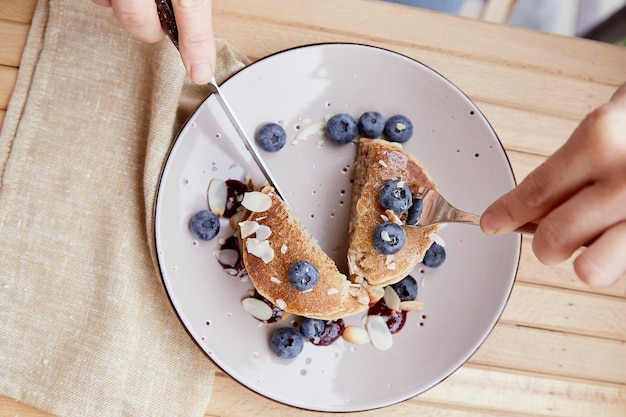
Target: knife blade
(168,23)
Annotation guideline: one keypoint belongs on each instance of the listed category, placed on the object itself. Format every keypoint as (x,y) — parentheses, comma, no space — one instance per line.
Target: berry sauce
(235,190)
(395,319)
(237,269)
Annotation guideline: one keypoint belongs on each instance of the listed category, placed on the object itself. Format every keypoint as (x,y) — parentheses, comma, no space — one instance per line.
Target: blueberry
(398,129)
(286,342)
(415,211)
(303,275)
(371,124)
(395,196)
(406,289)
(388,238)
(341,128)
(310,328)
(204,225)
(434,256)
(271,137)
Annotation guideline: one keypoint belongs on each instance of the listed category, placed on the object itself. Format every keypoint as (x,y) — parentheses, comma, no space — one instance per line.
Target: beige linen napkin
(86,328)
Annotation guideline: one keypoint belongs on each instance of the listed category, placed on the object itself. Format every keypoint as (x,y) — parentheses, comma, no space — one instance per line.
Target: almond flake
(391,266)
(228,257)
(379,333)
(389,259)
(355,335)
(332,291)
(260,249)
(256,201)
(393,217)
(391,298)
(275,280)
(383,163)
(437,239)
(217,194)
(257,308)
(263,233)
(248,228)
(280,303)
(283,249)
(411,305)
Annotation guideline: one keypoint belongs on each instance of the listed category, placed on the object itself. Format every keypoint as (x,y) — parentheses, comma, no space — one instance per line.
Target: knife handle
(168,20)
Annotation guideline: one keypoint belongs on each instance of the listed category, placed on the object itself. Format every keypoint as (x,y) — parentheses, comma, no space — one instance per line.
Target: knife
(168,23)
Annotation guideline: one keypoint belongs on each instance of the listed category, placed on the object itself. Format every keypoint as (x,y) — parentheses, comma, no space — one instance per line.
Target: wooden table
(560,347)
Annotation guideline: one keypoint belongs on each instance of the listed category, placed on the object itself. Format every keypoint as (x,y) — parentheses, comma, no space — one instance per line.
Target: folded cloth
(86,327)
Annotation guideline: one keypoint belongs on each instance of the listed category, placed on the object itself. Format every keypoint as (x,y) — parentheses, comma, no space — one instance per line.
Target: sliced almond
(263,232)
(217,194)
(257,308)
(435,237)
(379,333)
(332,291)
(280,303)
(256,201)
(260,249)
(393,217)
(411,305)
(356,335)
(248,228)
(275,280)
(391,298)
(227,257)
(361,206)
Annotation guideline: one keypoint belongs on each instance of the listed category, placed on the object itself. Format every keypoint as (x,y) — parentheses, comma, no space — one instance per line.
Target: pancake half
(377,162)
(334,295)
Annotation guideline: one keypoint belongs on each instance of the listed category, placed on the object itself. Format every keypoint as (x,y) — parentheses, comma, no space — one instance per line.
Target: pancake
(377,162)
(268,259)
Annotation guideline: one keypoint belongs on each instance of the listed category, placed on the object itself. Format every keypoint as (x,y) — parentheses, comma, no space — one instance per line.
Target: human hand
(195,30)
(578,195)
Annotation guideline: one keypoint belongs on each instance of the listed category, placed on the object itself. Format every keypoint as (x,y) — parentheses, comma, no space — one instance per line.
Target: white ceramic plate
(298,88)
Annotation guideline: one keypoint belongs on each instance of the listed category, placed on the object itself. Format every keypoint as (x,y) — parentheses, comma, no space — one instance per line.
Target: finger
(139,18)
(195,36)
(103,3)
(603,263)
(543,189)
(579,220)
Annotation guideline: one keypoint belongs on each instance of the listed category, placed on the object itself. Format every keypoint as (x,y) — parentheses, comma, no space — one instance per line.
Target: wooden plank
(554,353)
(15,34)
(499,44)
(17,10)
(567,311)
(528,394)
(8,77)
(561,275)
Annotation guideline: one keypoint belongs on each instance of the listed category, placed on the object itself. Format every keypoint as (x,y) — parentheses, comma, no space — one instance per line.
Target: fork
(436,209)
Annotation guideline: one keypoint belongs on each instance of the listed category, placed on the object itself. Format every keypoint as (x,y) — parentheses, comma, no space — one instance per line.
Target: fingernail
(201,72)
(488,224)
